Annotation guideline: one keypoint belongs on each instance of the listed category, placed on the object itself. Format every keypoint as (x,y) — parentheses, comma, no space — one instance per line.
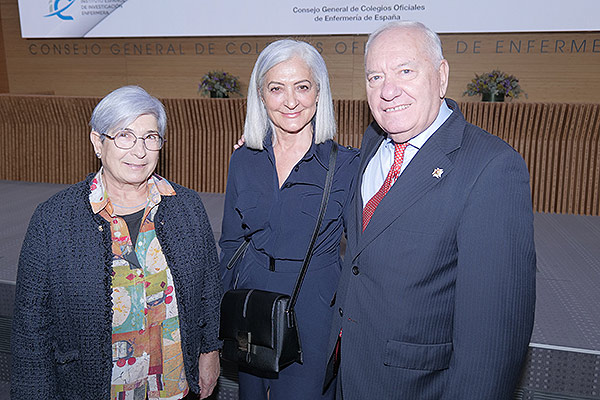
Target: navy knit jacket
(61,341)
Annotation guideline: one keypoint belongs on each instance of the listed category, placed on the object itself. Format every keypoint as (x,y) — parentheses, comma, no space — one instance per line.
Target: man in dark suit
(437,294)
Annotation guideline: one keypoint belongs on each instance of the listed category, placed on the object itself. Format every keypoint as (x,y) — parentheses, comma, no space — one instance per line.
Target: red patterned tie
(389,181)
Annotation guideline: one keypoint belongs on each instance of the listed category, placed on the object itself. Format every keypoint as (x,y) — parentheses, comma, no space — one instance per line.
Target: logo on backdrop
(58,7)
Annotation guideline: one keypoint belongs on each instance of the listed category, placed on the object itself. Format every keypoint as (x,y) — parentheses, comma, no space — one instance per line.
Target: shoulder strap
(324,201)
(238,253)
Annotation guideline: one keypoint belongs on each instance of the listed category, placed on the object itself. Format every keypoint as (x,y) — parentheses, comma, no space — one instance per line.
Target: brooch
(437,173)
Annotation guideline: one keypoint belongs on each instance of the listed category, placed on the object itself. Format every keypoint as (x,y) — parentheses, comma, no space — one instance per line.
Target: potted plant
(494,86)
(219,84)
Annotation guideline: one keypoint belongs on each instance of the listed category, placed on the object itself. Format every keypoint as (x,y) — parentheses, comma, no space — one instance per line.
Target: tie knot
(399,154)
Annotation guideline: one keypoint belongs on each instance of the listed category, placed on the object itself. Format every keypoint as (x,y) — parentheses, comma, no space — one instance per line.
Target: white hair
(432,43)
(258,123)
(124,105)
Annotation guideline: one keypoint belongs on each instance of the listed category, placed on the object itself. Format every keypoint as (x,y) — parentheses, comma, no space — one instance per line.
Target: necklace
(131,207)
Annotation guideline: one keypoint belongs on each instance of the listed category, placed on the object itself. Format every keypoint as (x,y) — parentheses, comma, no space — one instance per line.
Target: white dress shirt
(382,161)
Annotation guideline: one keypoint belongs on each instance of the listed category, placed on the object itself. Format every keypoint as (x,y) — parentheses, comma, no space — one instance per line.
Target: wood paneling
(46,139)
(552,67)
(3,72)
(560,144)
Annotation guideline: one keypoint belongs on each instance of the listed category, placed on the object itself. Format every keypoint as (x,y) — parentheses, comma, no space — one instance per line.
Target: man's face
(404,87)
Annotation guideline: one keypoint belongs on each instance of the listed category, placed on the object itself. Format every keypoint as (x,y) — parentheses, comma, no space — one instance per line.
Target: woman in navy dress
(274,191)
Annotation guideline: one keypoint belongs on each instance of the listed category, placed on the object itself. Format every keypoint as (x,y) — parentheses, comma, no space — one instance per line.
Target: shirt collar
(157,187)
(321,153)
(419,140)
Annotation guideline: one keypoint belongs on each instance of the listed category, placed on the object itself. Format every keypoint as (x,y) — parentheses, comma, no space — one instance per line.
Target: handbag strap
(324,201)
(238,253)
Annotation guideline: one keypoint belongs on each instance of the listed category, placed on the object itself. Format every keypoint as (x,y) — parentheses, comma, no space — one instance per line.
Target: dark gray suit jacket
(437,295)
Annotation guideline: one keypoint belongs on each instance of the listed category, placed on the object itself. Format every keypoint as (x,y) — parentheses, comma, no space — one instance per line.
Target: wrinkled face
(289,94)
(404,88)
(133,166)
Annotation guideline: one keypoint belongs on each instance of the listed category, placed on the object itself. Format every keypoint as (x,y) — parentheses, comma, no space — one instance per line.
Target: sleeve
(33,374)
(232,232)
(212,290)
(495,283)
(352,170)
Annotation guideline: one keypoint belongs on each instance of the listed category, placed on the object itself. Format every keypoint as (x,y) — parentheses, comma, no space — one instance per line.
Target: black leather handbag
(259,328)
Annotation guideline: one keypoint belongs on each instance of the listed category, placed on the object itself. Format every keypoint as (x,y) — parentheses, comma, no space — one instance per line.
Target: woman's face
(290,94)
(124,167)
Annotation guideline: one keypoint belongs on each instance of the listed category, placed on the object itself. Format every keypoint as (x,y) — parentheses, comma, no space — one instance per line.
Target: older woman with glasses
(118,288)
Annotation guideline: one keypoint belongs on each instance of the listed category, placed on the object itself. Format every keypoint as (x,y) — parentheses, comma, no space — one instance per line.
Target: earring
(98,155)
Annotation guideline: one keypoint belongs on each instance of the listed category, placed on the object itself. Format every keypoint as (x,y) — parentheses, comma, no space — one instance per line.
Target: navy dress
(279,222)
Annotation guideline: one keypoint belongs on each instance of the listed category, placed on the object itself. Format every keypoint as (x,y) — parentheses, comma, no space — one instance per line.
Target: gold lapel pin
(437,173)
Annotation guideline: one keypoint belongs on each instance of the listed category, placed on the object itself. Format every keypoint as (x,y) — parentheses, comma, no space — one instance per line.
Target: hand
(239,143)
(209,369)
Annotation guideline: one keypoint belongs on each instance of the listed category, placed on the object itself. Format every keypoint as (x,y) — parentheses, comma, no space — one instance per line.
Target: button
(287,185)
(355,270)
(296,168)
(341,312)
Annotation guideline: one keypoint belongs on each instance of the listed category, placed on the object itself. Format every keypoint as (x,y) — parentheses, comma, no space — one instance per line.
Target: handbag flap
(256,311)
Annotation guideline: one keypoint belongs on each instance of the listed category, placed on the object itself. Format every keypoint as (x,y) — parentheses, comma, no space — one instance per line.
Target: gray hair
(432,43)
(258,124)
(124,105)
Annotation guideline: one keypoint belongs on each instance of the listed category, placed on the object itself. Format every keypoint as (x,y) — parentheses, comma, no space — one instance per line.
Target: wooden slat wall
(200,136)
(3,72)
(560,144)
(46,139)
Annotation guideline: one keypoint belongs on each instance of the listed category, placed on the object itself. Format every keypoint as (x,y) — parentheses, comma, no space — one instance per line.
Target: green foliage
(495,82)
(219,84)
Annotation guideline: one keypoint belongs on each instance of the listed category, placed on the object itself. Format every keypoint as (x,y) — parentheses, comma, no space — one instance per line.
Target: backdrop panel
(46,139)
(146,18)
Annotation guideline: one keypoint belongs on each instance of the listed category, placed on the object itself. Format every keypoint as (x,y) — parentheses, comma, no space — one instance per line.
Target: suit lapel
(416,180)
(414,183)
(370,143)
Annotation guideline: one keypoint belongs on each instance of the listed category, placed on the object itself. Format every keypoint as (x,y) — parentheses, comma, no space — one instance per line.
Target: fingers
(206,393)
(207,385)
(207,390)
(239,143)
(208,372)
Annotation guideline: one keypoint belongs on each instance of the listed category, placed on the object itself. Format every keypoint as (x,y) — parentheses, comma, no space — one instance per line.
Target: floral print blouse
(146,342)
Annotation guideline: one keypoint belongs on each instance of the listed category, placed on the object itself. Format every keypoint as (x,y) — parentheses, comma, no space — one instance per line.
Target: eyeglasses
(126,140)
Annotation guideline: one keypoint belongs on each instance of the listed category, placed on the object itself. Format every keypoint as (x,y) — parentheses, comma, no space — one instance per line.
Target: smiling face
(289,93)
(404,87)
(128,167)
